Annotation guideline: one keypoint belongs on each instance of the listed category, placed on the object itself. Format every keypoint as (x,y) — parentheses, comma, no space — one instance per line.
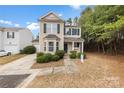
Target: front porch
(75,44)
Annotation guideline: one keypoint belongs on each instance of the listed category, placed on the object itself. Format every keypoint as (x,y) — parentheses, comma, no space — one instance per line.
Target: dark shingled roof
(69,39)
(52,36)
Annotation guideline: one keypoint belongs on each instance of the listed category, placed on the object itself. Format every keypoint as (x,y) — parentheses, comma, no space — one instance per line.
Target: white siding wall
(25,38)
(11,44)
(1,40)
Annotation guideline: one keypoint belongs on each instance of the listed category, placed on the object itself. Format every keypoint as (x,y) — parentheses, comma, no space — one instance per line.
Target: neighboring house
(14,39)
(55,35)
(35,43)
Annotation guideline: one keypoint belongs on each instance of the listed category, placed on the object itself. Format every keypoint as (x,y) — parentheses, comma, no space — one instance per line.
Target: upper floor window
(52,28)
(75,31)
(67,31)
(10,35)
(72,31)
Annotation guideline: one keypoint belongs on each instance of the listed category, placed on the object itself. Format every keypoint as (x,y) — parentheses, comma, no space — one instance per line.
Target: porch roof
(73,39)
(50,36)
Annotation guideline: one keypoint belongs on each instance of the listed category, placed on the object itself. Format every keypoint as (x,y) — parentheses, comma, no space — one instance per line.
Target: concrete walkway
(23,65)
(70,65)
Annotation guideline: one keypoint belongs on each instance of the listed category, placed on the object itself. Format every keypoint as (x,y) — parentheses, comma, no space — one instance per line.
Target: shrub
(55,58)
(40,59)
(40,54)
(79,54)
(73,54)
(44,58)
(60,53)
(29,50)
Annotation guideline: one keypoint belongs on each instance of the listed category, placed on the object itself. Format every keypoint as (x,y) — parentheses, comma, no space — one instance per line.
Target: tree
(103,26)
(69,21)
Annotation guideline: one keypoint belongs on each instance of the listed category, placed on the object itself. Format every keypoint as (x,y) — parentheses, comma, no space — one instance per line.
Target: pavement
(19,73)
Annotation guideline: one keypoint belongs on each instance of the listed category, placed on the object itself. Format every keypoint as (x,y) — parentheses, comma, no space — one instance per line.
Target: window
(57,45)
(44,46)
(68,31)
(76,44)
(75,31)
(10,35)
(51,46)
(52,28)
(48,28)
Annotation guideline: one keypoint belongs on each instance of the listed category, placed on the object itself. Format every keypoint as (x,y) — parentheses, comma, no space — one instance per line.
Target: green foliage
(40,54)
(44,58)
(73,54)
(102,24)
(29,50)
(55,58)
(60,53)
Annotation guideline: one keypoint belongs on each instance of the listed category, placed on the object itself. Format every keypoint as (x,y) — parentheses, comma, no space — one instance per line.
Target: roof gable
(50,17)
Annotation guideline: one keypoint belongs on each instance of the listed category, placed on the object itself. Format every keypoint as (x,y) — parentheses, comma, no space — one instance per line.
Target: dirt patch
(50,64)
(7,59)
(98,70)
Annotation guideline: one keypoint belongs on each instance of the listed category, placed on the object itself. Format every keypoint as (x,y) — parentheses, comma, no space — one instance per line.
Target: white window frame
(51,46)
(51,28)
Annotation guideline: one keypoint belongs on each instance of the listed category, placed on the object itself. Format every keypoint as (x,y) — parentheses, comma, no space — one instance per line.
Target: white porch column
(73,45)
(47,46)
(82,47)
(55,46)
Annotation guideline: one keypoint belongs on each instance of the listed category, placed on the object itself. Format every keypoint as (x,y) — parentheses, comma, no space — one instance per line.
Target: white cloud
(5,22)
(33,26)
(10,23)
(28,23)
(76,7)
(60,14)
(16,25)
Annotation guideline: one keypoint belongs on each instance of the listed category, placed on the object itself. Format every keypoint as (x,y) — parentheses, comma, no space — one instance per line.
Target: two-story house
(55,35)
(14,39)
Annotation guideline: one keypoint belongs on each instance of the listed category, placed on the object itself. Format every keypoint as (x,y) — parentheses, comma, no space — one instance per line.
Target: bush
(29,50)
(73,54)
(60,53)
(55,58)
(40,54)
(44,58)
(79,54)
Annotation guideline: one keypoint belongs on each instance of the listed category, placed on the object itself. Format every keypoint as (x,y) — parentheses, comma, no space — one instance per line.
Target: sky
(27,15)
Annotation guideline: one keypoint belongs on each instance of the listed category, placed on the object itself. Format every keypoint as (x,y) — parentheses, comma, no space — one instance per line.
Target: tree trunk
(98,47)
(115,49)
(103,49)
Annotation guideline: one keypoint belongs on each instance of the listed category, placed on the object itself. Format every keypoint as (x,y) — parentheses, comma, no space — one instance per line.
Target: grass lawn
(7,59)
(98,71)
(50,64)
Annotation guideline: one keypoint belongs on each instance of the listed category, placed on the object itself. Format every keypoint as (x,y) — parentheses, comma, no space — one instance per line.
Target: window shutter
(58,28)
(7,34)
(13,35)
(44,28)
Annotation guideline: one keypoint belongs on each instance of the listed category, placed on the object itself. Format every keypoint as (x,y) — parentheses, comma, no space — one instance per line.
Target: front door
(66,47)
